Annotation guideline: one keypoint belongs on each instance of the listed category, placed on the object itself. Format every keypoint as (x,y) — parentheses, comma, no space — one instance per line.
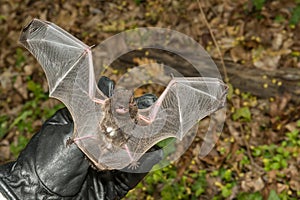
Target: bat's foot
(134,165)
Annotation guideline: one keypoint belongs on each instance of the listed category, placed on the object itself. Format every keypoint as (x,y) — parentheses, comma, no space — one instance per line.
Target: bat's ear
(106,85)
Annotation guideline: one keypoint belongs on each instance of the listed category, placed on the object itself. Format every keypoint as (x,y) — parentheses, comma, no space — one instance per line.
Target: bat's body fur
(118,105)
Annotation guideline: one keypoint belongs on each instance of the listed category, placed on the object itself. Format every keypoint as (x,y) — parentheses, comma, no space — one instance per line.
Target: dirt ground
(263,35)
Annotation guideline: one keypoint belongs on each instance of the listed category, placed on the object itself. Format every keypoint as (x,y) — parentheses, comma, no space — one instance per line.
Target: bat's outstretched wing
(68,66)
(184,102)
(63,57)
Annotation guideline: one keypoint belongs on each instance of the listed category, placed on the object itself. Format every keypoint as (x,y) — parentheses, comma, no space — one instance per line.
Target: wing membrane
(55,49)
(68,66)
(184,102)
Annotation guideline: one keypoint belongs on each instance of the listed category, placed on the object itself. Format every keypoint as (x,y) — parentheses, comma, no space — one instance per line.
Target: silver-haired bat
(112,131)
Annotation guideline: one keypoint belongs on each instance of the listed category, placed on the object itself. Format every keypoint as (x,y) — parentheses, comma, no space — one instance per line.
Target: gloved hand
(49,169)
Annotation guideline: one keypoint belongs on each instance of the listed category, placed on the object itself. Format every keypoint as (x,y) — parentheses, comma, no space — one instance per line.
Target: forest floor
(257,155)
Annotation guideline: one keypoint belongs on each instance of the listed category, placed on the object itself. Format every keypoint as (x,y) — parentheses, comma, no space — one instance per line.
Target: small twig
(214,40)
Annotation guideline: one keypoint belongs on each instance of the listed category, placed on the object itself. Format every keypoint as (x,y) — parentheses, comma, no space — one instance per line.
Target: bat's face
(122,101)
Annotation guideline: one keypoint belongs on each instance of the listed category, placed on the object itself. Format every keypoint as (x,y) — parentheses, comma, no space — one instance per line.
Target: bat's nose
(122,110)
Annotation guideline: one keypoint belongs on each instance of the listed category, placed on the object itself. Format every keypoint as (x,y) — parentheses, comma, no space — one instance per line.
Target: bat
(111,130)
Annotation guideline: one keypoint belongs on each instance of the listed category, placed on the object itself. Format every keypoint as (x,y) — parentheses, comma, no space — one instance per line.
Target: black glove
(49,169)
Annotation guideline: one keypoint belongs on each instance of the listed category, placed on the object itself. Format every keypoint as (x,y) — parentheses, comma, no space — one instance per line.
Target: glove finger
(145,101)
(106,85)
(62,169)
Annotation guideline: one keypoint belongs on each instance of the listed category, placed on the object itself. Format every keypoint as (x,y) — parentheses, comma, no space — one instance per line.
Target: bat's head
(121,101)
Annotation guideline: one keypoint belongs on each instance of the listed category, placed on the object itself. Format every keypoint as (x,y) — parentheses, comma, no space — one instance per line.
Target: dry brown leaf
(277,41)
(267,62)
(272,175)
(295,185)
(282,187)
(238,53)
(28,69)
(21,87)
(252,184)
(4,150)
